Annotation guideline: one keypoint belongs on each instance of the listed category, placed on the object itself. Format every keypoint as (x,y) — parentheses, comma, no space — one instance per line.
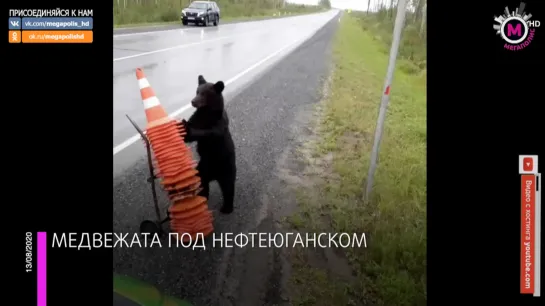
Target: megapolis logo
(516,28)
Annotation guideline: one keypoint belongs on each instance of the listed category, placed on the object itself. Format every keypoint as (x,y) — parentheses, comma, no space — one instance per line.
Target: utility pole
(398,28)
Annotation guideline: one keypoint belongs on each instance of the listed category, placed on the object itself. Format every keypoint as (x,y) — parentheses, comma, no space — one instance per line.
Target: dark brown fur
(209,127)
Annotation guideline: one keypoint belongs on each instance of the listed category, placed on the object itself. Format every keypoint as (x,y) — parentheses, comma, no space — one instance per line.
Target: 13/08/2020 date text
(28,250)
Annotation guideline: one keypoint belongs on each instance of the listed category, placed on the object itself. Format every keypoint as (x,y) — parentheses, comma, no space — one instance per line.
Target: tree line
(416,12)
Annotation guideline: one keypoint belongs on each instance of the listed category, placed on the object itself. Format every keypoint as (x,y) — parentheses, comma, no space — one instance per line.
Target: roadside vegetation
(142,12)
(391,271)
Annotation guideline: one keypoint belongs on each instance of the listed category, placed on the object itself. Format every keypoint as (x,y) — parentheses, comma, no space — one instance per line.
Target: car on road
(201,12)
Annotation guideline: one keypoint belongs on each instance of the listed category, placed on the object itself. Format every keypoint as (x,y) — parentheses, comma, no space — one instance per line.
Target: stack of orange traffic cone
(188,212)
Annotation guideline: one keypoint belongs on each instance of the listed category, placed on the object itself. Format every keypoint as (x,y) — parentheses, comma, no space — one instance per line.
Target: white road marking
(179,111)
(122,146)
(179,46)
(148,32)
(182,30)
(196,29)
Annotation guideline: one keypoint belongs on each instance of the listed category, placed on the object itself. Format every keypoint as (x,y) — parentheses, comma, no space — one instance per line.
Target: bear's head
(209,95)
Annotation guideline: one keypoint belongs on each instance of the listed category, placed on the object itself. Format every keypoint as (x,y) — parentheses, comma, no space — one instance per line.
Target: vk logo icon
(14,23)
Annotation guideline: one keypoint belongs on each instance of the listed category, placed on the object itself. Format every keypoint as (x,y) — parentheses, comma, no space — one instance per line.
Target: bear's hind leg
(227,186)
(205,179)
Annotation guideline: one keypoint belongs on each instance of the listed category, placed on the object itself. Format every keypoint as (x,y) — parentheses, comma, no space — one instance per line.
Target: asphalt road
(274,71)
(172,59)
(179,26)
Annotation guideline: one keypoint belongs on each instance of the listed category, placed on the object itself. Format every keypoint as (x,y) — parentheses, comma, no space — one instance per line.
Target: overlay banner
(530,244)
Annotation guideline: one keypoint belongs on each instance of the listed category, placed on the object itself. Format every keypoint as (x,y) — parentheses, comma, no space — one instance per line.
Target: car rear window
(198,5)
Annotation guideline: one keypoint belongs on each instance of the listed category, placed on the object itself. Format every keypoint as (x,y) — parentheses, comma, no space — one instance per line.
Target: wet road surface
(172,59)
(263,104)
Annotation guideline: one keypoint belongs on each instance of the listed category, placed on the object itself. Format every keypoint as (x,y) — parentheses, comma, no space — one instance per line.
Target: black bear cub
(209,127)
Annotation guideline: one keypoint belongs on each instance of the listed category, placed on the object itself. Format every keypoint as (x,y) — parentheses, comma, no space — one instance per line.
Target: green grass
(147,12)
(391,271)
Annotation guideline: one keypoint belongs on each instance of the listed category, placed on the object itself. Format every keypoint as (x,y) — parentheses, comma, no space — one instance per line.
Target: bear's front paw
(184,130)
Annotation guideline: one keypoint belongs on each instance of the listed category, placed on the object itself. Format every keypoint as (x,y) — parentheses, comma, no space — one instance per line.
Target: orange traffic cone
(175,166)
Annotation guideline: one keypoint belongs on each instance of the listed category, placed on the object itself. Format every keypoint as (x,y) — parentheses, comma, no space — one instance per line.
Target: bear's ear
(201,80)
(219,86)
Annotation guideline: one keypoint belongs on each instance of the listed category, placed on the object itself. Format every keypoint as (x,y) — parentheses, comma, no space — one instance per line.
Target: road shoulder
(389,267)
(261,276)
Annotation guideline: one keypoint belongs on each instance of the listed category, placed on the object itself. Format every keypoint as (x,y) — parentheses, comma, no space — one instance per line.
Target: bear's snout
(195,103)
